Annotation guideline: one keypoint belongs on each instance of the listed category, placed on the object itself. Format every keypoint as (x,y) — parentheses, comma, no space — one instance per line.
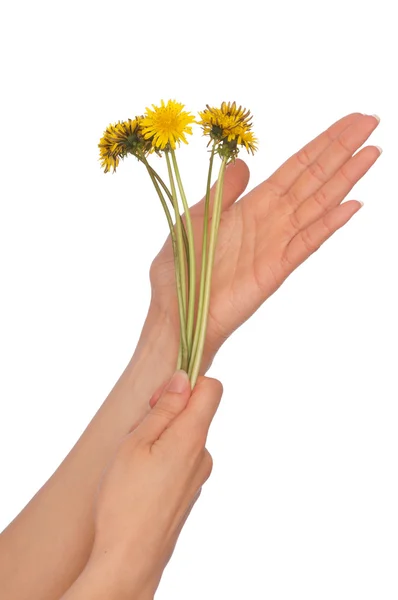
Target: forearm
(46,547)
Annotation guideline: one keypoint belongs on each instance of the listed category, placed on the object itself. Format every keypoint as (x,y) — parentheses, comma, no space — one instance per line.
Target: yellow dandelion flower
(218,122)
(211,121)
(109,162)
(120,139)
(229,126)
(167,124)
(245,137)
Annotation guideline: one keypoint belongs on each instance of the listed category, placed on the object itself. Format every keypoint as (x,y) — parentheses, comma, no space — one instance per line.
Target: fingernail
(360,202)
(376,117)
(178,383)
(379,149)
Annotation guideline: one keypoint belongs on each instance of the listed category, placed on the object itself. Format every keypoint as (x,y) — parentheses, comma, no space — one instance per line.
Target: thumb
(235,182)
(171,403)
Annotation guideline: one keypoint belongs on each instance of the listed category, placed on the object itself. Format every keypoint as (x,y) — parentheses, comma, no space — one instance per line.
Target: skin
(147,493)
(262,238)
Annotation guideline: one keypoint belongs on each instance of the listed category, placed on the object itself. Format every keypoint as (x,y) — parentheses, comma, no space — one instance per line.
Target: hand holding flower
(269,232)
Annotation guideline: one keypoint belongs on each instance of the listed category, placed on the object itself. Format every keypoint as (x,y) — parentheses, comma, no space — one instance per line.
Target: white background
(302,502)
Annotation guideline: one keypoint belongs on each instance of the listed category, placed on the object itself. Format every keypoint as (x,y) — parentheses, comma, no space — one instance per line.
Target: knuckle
(164,411)
(303,157)
(308,242)
(292,198)
(331,138)
(328,231)
(320,199)
(346,177)
(207,464)
(317,171)
(344,144)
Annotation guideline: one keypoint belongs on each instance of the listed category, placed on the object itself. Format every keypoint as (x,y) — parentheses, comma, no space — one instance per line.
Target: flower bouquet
(160,131)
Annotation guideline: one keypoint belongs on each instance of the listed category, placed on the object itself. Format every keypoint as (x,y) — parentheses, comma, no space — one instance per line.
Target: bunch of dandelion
(161,130)
(229,128)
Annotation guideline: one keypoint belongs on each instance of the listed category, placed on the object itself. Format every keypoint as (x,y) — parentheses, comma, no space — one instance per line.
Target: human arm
(148,492)
(46,547)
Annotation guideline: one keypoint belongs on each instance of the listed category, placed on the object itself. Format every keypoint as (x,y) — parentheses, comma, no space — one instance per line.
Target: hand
(274,228)
(150,488)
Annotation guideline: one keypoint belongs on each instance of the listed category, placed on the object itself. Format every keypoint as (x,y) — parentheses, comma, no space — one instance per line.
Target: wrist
(160,337)
(156,352)
(153,362)
(107,579)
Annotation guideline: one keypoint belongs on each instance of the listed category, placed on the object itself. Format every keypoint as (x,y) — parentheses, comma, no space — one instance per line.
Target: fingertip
(216,385)
(339,216)
(240,172)
(353,205)
(355,115)
(179,383)
(208,386)
(236,178)
(240,166)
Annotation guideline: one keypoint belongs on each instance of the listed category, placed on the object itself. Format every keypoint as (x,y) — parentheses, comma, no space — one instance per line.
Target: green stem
(204,259)
(180,247)
(206,298)
(170,197)
(191,255)
(183,350)
(179,359)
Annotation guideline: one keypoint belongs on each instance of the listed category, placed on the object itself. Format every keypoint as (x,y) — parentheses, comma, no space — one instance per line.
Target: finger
(335,190)
(172,402)
(310,239)
(331,159)
(235,182)
(157,394)
(194,422)
(293,167)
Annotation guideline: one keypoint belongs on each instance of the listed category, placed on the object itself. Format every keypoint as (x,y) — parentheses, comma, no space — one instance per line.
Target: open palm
(271,230)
